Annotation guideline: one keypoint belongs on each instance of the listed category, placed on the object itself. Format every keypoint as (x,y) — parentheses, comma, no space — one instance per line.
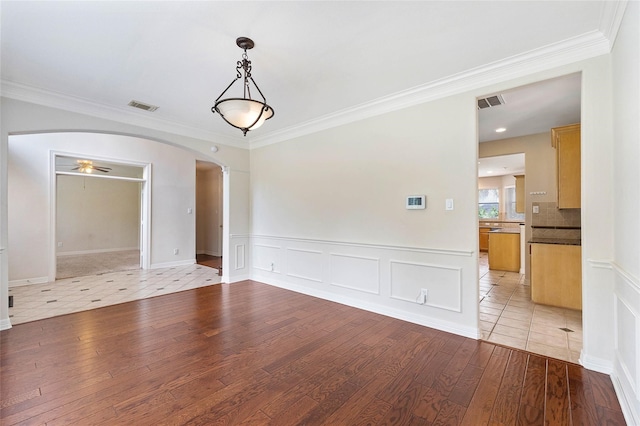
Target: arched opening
(166,208)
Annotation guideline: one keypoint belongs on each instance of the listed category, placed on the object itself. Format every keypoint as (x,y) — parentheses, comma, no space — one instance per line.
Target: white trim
(568,51)
(611,18)
(448,252)
(628,408)
(600,365)
(129,179)
(29,281)
(172,264)
(447,326)
(26,93)
(600,264)
(5,324)
(113,250)
(585,46)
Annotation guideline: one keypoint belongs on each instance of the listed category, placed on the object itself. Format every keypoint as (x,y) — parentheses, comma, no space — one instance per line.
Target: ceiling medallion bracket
(245,43)
(243,113)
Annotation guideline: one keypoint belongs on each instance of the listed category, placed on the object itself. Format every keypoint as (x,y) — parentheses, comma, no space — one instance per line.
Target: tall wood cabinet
(519,193)
(566,140)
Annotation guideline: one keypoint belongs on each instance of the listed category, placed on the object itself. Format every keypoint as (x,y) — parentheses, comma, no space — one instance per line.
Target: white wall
(329,216)
(626,260)
(328,211)
(31,232)
(19,117)
(95,214)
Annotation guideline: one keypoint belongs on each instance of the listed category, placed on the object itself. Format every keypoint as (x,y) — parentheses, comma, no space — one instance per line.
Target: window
(510,198)
(489,203)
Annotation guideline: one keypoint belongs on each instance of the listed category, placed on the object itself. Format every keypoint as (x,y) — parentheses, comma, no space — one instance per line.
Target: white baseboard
(172,264)
(596,364)
(235,278)
(631,416)
(5,324)
(75,253)
(28,281)
(470,332)
(209,253)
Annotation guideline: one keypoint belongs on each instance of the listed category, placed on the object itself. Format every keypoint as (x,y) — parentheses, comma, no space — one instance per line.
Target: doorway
(209,217)
(99,208)
(520,120)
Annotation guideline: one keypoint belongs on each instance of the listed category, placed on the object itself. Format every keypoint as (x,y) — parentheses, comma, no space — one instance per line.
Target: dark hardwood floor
(248,353)
(210,261)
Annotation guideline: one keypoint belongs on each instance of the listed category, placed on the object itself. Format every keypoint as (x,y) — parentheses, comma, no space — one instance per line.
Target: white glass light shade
(242,113)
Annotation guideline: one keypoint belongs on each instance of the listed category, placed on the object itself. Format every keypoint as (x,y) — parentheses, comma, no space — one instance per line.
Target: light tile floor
(509,317)
(38,301)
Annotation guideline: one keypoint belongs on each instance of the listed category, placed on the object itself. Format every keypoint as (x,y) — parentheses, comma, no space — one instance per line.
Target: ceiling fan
(87,166)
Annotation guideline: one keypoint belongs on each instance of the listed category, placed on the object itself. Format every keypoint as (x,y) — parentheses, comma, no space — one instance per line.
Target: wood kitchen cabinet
(519,193)
(556,275)
(566,140)
(504,251)
(484,239)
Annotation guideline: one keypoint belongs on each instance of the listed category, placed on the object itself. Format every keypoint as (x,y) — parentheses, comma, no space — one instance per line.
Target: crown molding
(585,46)
(22,92)
(611,19)
(572,50)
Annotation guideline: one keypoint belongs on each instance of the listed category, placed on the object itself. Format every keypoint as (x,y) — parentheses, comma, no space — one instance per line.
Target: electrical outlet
(273,266)
(176,251)
(423,295)
(59,243)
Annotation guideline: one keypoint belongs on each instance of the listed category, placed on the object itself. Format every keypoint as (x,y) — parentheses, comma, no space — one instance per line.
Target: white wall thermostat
(416,202)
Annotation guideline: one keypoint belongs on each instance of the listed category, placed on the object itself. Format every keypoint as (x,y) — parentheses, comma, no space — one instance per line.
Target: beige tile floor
(38,301)
(509,317)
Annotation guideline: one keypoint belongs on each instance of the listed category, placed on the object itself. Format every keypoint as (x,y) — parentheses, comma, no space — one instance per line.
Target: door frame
(145,205)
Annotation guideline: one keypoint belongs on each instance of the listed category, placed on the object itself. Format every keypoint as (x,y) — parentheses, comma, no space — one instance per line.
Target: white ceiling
(320,63)
(501,165)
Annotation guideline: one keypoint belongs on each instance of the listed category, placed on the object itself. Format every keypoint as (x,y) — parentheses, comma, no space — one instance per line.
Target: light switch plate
(448,205)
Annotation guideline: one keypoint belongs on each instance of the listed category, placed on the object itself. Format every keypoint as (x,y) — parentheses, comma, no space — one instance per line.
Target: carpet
(97,263)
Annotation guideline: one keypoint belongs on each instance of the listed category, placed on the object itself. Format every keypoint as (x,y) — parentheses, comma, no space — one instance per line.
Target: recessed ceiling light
(501,129)
(489,171)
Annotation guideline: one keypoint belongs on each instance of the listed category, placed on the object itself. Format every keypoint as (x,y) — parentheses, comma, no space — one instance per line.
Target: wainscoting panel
(627,344)
(266,257)
(304,264)
(239,264)
(443,284)
(355,272)
(378,278)
(240,256)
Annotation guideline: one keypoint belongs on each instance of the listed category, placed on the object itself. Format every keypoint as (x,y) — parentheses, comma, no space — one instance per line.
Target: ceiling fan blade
(102,169)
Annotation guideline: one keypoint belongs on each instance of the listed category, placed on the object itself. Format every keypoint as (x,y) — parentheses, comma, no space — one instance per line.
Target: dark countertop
(505,231)
(562,241)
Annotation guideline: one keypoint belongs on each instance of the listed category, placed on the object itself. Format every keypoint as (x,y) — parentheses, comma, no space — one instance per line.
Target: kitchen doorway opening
(519,121)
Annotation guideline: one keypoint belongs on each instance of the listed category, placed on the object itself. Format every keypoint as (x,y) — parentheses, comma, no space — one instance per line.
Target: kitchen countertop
(562,241)
(505,231)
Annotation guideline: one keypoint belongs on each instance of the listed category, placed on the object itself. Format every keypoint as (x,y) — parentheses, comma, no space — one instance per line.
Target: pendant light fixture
(243,113)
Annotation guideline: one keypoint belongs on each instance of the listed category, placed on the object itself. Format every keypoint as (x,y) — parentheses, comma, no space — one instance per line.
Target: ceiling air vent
(490,101)
(145,107)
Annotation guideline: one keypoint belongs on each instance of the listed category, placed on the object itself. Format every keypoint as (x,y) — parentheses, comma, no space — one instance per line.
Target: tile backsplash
(550,216)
